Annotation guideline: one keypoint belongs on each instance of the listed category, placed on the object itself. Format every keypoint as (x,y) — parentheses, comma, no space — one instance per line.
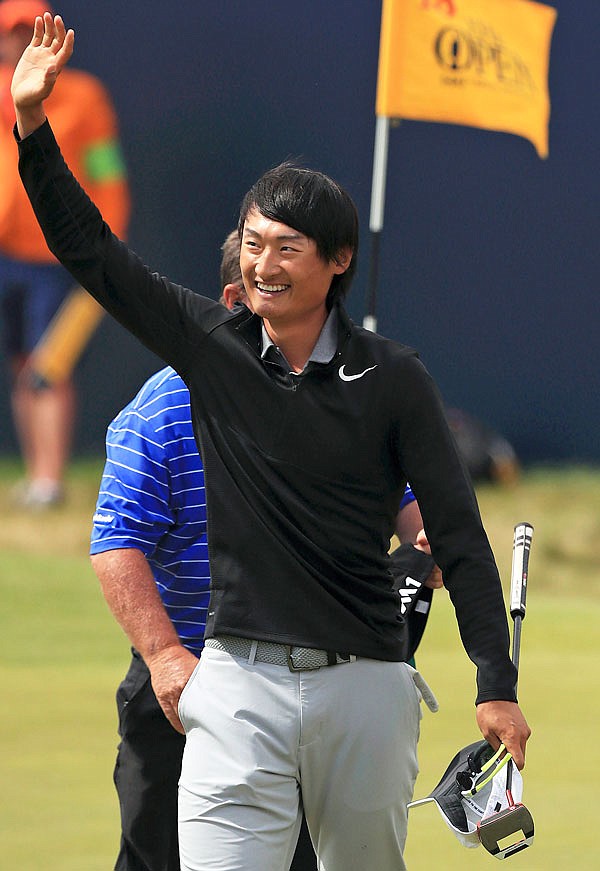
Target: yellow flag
(483,63)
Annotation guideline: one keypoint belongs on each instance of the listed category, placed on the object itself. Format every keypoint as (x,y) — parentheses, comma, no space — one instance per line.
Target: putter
(511,830)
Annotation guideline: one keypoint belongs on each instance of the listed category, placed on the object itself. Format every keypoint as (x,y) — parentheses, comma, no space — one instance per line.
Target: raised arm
(36,73)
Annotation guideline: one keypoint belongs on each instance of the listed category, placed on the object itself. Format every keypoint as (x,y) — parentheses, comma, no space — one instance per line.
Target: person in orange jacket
(33,285)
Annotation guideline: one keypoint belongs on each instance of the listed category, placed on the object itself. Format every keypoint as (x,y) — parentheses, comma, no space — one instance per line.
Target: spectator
(32,284)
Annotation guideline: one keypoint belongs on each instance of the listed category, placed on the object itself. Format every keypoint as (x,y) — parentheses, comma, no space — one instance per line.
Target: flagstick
(380,156)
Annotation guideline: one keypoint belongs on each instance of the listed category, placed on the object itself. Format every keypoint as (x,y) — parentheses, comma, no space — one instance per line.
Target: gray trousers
(263,742)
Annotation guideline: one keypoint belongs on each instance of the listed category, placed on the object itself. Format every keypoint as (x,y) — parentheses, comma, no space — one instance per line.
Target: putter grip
(520,565)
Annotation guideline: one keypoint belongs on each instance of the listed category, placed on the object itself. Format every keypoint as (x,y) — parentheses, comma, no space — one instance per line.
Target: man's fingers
(503,723)
(38,32)
(175,721)
(66,50)
(49,30)
(170,712)
(435,580)
(54,34)
(170,670)
(59,26)
(515,740)
(512,747)
(421,541)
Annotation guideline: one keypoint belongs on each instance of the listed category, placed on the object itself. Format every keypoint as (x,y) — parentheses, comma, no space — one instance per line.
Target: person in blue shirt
(149,539)
(150,527)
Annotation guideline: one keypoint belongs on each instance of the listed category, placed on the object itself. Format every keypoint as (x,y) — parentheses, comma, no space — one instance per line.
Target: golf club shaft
(516,642)
(518,583)
(518,593)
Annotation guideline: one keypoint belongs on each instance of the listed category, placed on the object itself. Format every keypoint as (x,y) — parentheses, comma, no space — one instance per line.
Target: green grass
(62,655)
(559,691)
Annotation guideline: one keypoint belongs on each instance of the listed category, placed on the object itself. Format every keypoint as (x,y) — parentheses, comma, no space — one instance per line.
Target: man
(309,428)
(152,502)
(32,284)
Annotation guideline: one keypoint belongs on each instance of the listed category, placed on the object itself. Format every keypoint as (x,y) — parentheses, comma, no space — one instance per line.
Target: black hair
(314,205)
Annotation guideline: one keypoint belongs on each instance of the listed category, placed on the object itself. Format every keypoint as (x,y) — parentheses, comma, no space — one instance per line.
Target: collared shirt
(152,498)
(322,352)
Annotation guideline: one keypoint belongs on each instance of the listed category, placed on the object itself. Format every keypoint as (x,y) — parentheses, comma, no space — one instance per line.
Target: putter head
(473,801)
(507,832)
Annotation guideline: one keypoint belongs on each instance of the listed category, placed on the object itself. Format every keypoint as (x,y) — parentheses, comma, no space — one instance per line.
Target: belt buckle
(292,665)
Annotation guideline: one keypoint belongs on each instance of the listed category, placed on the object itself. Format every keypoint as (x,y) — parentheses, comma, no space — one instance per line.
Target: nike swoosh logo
(345,377)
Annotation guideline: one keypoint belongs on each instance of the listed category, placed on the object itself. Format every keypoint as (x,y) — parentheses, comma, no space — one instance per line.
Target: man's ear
(233,293)
(343,260)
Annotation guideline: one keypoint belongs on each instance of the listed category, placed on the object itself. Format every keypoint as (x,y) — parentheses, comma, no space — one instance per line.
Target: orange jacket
(84,122)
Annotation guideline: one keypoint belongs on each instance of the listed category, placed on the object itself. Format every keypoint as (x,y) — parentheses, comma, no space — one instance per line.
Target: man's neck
(296,341)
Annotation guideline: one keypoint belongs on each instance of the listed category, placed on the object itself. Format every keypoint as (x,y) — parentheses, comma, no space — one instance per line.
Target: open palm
(43,59)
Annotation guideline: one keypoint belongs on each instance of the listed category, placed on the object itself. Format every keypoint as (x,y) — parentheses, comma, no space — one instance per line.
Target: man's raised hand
(35,75)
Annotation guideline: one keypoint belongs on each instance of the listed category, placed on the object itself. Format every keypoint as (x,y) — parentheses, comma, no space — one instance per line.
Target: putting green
(62,655)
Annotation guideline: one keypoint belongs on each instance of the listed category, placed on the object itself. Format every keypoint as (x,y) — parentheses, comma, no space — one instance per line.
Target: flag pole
(380,156)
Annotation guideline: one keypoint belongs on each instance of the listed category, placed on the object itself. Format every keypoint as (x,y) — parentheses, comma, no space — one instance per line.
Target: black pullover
(304,474)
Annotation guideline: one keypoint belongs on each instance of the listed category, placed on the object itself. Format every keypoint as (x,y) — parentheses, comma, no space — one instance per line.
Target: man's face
(286,280)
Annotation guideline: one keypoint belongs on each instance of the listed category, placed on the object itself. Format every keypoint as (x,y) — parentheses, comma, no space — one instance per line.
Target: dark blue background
(490,256)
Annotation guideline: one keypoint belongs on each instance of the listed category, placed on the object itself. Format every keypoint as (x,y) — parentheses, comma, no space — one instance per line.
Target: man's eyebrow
(281,237)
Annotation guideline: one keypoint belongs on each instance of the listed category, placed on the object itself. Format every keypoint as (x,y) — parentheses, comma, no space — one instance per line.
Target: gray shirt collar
(325,347)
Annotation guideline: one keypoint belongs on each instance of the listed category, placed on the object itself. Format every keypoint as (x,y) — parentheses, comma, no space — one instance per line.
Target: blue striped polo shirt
(152,498)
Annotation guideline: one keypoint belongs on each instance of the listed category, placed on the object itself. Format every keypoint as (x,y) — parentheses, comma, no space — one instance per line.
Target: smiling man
(289,276)
(309,427)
